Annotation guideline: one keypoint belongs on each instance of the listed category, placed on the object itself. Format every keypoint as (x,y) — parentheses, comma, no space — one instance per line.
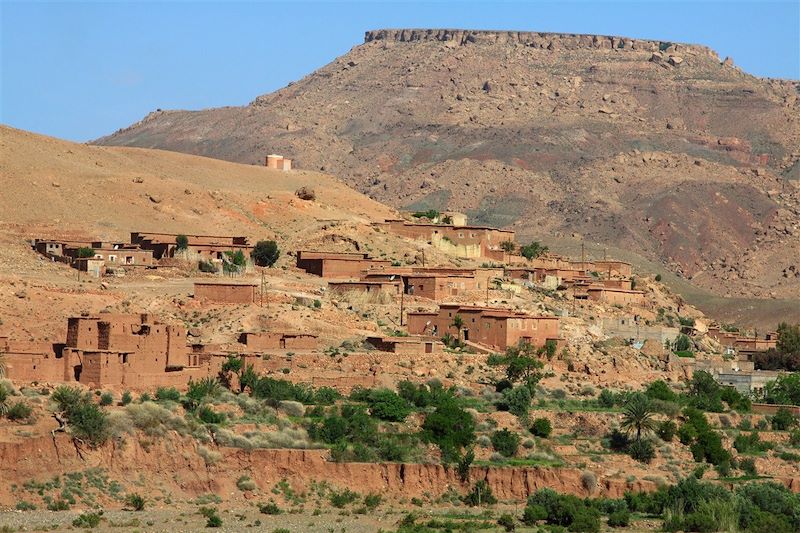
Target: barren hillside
(659,148)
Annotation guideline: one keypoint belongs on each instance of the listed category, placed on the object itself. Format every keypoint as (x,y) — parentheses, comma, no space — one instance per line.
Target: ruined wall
(225,293)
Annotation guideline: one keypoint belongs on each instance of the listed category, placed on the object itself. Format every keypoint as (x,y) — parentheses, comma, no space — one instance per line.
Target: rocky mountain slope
(659,148)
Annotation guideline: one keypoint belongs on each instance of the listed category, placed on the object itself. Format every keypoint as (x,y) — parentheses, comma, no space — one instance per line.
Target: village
(233,342)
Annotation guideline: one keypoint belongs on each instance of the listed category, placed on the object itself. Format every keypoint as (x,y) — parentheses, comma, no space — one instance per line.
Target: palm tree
(458,323)
(638,415)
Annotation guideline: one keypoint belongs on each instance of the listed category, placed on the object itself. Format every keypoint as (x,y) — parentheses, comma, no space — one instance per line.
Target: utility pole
(583,256)
(402,302)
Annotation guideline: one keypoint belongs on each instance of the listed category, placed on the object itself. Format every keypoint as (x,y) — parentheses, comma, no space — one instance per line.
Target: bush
(182,242)
(642,450)
(666,430)
(19,411)
(372,501)
(621,518)
(589,481)
(606,399)
(135,502)
(450,427)
(507,522)
(505,442)
(342,498)
(171,394)
(518,400)
(541,427)
(292,408)
(209,416)
(750,443)
(212,518)
(481,494)
(106,399)
(783,420)
(265,253)
(748,466)
(683,344)
(618,441)
(246,484)
(206,266)
(88,520)
(85,252)
(270,508)
(533,513)
(659,390)
(387,405)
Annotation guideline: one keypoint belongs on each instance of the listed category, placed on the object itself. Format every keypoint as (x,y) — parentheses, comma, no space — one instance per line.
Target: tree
(85,252)
(788,338)
(2,365)
(265,253)
(508,247)
(637,415)
(458,323)
(182,243)
(505,442)
(683,343)
(523,365)
(533,250)
(450,427)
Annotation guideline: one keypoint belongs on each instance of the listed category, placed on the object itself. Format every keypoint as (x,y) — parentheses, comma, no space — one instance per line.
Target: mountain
(660,149)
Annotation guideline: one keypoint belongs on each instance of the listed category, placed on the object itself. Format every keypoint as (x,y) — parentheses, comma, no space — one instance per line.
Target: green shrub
(209,416)
(748,466)
(659,390)
(341,499)
(212,517)
(450,427)
(171,394)
(88,520)
(505,442)
(518,400)
(265,253)
(481,494)
(621,518)
(246,484)
(387,405)
(270,508)
(106,399)
(783,420)
(24,506)
(666,430)
(88,423)
(618,441)
(372,501)
(135,502)
(642,450)
(751,443)
(507,522)
(19,411)
(541,427)
(181,242)
(606,399)
(533,513)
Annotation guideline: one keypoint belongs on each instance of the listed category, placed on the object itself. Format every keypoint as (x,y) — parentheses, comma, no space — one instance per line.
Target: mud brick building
(614,268)
(278,162)
(365,286)
(615,296)
(411,345)
(336,265)
(495,328)
(226,292)
(734,341)
(464,241)
(256,342)
(438,287)
(208,247)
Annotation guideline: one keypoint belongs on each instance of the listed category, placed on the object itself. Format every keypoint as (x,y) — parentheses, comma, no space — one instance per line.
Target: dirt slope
(660,148)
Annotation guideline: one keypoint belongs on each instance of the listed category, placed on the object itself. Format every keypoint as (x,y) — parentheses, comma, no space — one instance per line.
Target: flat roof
(228,283)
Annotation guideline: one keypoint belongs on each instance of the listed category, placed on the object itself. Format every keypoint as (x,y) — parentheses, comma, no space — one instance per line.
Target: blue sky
(82,70)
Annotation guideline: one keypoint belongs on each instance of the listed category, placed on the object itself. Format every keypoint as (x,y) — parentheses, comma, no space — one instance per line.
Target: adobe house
(58,248)
(411,345)
(163,245)
(278,162)
(226,292)
(616,283)
(464,241)
(438,286)
(496,328)
(456,218)
(338,265)
(278,341)
(743,344)
(122,254)
(92,266)
(365,286)
(630,328)
(613,296)
(615,268)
